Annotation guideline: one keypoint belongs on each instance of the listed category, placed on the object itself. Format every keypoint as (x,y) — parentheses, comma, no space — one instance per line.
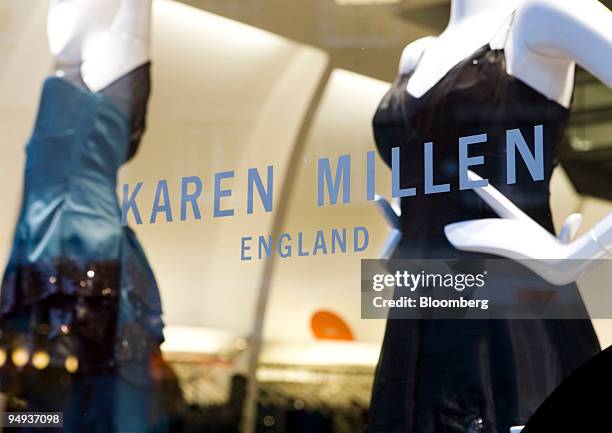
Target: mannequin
(546,39)
(80,304)
(476,21)
(544,59)
(499,65)
(107,39)
(560,260)
(544,62)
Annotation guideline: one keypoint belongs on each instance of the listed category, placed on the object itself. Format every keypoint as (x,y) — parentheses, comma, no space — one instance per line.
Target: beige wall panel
(303,285)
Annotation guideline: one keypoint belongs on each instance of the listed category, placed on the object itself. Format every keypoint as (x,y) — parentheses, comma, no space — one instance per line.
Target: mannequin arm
(573,30)
(516,236)
(391,213)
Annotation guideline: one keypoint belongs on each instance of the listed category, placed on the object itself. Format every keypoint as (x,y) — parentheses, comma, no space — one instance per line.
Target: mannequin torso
(468,29)
(106,38)
(544,41)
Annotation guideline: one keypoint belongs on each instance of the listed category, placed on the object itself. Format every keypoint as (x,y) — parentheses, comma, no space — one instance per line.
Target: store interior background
(249,83)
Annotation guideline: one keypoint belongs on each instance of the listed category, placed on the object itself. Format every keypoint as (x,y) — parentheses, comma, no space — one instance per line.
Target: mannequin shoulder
(537,21)
(412,54)
(555,8)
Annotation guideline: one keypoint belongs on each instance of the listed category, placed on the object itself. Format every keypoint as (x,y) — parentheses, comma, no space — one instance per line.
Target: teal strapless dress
(78,286)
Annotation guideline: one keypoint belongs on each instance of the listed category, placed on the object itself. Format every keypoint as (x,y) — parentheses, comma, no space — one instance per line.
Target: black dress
(449,376)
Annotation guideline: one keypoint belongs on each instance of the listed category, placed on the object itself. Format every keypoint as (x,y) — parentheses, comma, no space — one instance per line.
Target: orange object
(326,325)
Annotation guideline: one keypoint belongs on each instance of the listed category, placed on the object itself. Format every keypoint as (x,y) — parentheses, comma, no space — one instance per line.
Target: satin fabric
(78,283)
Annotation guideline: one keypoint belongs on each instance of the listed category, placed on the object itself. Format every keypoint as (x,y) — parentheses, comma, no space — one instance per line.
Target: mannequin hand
(570,228)
(391,213)
(516,236)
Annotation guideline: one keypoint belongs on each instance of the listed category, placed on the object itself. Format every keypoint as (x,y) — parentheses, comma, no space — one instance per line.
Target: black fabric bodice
(460,376)
(476,96)
(130,93)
